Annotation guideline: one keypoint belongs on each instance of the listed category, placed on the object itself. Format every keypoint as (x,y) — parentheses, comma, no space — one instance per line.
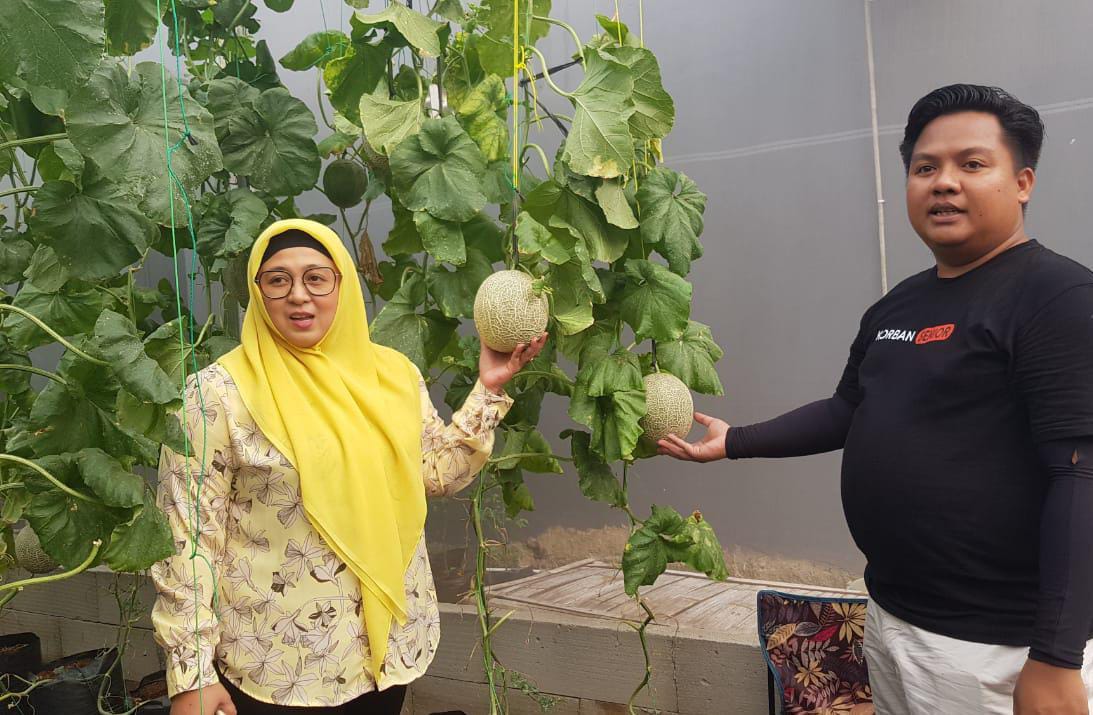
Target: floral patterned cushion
(813,647)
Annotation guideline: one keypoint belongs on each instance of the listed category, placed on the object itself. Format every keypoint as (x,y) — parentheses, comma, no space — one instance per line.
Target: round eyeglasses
(277,283)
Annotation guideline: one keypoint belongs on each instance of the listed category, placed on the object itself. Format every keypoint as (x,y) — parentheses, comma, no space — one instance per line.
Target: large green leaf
(646,554)
(419,31)
(45,269)
(131,25)
(613,419)
(482,112)
(454,291)
(318,48)
(141,375)
(618,371)
(612,199)
(495,47)
(229,98)
(697,546)
(117,121)
(15,255)
(403,239)
(66,526)
(148,420)
(595,478)
(599,142)
(656,302)
(535,239)
(654,111)
(13,382)
(141,542)
(95,229)
(671,217)
(230,223)
(514,492)
(442,239)
(355,74)
(273,144)
(437,170)
(528,450)
(387,122)
(112,483)
(50,43)
(69,310)
(691,358)
(570,299)
(550,200)
(418,336)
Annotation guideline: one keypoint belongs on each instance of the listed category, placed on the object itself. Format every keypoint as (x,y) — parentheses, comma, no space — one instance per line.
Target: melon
(669,407)
(508,310)
(29,553)
(344,183)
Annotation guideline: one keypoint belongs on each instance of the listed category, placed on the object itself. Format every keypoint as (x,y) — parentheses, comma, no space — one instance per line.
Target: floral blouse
(260,593)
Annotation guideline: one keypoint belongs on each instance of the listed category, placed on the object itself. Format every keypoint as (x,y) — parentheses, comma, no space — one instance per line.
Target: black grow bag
(151,695)
(20,654)
(74,683)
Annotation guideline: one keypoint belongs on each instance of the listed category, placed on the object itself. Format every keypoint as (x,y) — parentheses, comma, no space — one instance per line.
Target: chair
(813,650)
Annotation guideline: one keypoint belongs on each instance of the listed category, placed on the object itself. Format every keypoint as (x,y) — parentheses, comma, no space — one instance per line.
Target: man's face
(964,192)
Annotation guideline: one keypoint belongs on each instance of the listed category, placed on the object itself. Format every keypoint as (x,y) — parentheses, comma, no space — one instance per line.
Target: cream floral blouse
(259,592)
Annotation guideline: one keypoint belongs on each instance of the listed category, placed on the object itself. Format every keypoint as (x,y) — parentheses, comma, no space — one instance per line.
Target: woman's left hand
(495,368)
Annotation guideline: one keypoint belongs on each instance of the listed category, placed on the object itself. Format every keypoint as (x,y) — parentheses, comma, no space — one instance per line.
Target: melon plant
(418,106)
(669,408)
(509,310)
(29,553)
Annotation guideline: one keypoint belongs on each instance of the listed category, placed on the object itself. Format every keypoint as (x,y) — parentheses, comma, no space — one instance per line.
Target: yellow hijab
(347,414)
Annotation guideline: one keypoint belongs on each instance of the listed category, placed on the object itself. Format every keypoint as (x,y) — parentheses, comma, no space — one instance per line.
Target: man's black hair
(1021,124)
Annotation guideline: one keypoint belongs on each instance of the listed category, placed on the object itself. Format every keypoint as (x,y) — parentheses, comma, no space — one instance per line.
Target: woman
(308,588)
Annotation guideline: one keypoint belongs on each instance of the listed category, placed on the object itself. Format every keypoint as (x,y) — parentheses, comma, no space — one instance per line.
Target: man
(966,417)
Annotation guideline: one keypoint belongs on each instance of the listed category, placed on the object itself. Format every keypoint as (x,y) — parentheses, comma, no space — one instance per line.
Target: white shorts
(915,672)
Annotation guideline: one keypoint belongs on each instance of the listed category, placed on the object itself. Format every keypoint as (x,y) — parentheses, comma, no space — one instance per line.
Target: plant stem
(645,652)
(56,482)
(32,140)
(546,74)
(542,156)
(486,630)
(19,190)
(568,28)
(319,98)
(37,371)
(20,585)
(53,333)
(522,455)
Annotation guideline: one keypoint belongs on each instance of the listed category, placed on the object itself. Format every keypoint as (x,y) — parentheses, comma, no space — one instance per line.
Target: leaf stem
(523,455)
(56,482)
(37,371)
(546,74)
(566,26)
(53,333)
(20,585)
(32,140)
(542,156)
(19,190)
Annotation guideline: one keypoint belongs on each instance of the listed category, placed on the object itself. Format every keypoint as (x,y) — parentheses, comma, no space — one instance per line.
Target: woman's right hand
(204,701)
(707,449)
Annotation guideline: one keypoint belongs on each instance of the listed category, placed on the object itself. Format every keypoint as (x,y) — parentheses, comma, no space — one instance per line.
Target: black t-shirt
(956,382)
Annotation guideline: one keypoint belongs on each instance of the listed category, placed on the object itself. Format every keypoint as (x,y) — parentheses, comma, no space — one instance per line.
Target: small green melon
(507,310)
(669,407)
(29,553)
(344,183)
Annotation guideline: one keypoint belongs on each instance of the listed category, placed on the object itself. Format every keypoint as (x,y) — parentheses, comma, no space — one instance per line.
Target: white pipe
(876,147)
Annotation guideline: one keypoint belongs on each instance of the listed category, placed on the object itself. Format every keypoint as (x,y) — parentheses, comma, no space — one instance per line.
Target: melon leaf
(691,358)
(656,303)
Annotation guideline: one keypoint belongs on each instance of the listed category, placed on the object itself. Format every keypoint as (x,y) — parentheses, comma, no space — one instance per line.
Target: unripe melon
(508,312)
(29,553)
(669,407)
(344,183)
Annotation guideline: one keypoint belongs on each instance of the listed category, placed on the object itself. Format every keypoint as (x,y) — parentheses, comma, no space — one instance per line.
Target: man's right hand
(707,449)
(204,701)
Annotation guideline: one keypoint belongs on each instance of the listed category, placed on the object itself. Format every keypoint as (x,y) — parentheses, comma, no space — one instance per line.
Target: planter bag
(21,655)
(152,695)
(75,682)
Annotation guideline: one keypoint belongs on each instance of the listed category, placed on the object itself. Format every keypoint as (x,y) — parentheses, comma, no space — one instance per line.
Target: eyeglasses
(277,284)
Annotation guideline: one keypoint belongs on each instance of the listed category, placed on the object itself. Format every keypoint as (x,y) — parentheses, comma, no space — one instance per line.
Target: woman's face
(298,278)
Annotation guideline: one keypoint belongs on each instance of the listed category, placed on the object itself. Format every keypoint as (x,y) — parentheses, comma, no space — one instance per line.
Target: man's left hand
(495,368)
(1044,689)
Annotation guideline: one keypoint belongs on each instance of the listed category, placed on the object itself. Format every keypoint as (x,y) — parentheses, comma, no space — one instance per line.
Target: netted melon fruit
(508,312)
(29,553)
(669,407)
(344,183)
